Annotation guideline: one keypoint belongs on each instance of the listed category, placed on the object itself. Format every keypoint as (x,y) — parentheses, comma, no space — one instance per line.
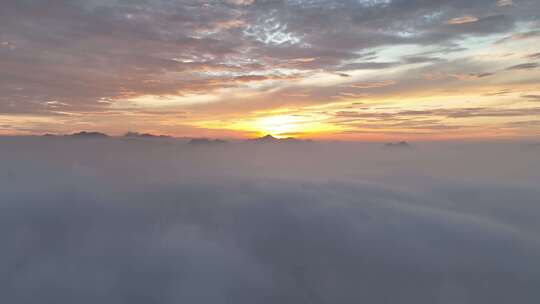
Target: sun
(289,125)
(278,125)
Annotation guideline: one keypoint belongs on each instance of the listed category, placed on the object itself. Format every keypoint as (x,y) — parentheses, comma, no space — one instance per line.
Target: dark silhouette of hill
(145,135)
(86,134)
(271,139)
(398,145)
(533,146)
(206,141)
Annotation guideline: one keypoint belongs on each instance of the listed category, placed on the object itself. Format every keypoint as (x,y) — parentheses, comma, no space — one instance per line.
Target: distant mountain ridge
(86,134)
(271,139)
(398,145)
(267,139)
(206,141)
(144,135)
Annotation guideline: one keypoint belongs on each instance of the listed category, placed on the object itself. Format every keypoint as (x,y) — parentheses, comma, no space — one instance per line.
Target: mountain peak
(268,137)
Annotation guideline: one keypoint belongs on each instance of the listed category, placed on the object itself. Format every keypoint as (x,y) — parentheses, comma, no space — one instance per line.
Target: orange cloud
(463,20)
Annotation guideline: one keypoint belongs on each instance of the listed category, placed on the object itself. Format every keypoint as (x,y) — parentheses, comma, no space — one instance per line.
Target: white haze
(158,221)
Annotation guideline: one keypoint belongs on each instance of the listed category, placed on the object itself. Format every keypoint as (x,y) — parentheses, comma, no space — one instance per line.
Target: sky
(322,69)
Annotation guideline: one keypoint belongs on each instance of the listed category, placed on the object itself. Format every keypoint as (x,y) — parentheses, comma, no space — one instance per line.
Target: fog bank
(137,221)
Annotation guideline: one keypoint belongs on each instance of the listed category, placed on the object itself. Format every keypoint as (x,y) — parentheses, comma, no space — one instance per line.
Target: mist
(118,220)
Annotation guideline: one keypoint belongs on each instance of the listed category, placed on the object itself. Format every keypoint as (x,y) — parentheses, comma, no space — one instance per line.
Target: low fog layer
(160,221)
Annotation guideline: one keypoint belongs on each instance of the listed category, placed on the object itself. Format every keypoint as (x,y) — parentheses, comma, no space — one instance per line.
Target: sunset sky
(322,69)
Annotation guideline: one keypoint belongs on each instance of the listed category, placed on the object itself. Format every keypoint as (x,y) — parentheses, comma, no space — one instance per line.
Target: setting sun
(279,126)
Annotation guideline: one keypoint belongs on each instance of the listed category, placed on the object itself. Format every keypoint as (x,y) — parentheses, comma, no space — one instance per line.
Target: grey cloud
(487,112)
(482,75)
(429,125)
(520,36)
(524,124)
(367,66)
(448,113)
(532,97)
(421,59)
(524,66)
(534,56)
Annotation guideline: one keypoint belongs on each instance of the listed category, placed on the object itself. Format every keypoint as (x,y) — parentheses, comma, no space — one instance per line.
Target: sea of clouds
(161,221)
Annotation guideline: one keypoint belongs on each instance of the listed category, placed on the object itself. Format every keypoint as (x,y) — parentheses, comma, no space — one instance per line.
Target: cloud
(504,3)
(372,85)
(240,2)
(464,112)
(533,56)
(488,112)
(463,20)
(122,220)
(499,93)
(520,36)
(486,25)
(531,97)
(366,66)
(524,66)
(472,76)
(421,59)
(524,124)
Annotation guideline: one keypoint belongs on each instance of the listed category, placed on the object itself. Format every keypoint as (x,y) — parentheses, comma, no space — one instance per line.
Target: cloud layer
(131,220)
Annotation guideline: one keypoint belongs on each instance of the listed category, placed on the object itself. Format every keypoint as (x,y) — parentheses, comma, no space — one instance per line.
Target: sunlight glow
(277,125)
